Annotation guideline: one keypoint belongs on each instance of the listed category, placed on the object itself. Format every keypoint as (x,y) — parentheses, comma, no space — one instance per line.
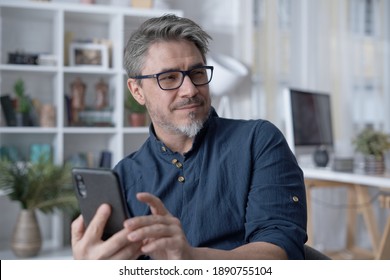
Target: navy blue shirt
(239,183)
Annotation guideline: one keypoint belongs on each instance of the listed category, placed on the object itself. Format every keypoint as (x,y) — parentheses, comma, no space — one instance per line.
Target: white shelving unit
(37,27)
(41,27)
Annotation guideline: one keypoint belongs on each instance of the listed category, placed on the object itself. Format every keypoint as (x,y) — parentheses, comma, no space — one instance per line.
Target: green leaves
(371,142)
(23,104)
(42,185)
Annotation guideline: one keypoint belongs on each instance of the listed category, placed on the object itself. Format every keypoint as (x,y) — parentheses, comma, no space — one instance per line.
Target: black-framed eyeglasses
(173,79)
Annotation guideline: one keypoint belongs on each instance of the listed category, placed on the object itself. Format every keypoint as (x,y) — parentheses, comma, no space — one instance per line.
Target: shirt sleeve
(276,209)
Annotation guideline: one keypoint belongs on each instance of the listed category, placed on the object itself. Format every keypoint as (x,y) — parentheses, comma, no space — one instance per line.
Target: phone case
(94,187)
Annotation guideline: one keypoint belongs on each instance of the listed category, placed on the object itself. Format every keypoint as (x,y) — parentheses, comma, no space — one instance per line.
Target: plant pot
(137,119)
(22,119)
(26,238)
(374,165)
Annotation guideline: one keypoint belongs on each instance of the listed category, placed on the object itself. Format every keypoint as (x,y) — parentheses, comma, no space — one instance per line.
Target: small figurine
(78,89)
(101,94)
(48,116)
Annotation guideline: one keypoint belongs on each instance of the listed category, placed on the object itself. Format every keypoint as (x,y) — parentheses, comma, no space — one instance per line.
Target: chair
(313,254)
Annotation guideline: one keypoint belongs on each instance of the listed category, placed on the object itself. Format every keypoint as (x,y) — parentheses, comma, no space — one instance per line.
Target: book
(8,110)
(105,159)
(68,110)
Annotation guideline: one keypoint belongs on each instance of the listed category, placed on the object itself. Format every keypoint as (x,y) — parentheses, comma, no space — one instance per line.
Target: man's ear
(136,90)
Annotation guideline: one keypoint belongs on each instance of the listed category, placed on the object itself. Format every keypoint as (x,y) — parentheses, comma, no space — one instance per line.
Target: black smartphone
(95,186)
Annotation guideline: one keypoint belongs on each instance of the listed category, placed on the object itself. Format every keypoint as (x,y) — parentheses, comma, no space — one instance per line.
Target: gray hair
(165,28)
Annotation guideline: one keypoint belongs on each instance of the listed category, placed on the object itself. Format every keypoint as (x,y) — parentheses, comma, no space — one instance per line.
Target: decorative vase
(26,238)
(48,115)
(374,165)
(321,156)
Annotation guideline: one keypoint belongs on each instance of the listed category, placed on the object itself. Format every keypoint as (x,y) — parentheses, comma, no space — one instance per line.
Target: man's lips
(189,104)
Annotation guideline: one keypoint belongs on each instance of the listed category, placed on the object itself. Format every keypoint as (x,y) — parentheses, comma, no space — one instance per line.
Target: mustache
(196,100)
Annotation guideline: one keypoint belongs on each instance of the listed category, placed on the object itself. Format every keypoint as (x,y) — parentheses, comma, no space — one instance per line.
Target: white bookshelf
(40,27)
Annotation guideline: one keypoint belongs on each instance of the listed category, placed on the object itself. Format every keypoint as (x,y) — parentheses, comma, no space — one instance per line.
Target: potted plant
(373,145)
(137,115)
(41,186)
(22,104)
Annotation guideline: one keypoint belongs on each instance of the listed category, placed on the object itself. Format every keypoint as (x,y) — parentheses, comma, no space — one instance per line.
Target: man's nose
(188,88)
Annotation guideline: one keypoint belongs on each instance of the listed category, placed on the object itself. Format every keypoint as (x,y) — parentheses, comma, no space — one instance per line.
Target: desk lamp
(228,74)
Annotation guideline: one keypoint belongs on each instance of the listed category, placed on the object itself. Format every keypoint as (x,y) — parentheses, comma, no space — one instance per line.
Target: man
(201,187)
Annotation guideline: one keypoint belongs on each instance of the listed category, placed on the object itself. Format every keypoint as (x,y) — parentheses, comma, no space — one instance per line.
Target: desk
(357,195)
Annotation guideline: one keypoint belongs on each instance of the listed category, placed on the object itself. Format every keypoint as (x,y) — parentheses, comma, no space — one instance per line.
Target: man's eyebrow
(178,69)
(199,64)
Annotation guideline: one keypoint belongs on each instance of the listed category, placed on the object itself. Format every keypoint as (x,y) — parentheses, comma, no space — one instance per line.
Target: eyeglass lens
(172,80)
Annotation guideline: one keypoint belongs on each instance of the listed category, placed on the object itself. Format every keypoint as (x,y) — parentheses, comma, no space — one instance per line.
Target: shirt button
(163,149)
(181,179)
(179,165)
(295,198)
(174,161)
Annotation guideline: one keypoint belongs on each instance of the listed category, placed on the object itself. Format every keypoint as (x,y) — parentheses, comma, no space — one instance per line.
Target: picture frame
(88,55)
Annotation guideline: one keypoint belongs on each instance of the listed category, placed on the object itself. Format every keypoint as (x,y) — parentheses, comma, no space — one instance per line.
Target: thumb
(96,226)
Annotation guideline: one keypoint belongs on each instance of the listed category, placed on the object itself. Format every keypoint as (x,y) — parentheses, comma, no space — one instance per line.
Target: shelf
(28,68)
(32,27)
(88,9)
(90,130)
(136,130)
(45,254)
(20,22)
(89,70)
(28,130)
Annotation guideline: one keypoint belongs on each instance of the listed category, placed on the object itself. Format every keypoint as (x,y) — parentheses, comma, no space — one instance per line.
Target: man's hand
(88,243)
(161,233)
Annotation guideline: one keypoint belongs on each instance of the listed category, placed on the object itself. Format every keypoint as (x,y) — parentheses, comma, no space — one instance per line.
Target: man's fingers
(118,246)
(160,215)
(157,230)
(87,242)
(77,229)
(155,204)
(130,250)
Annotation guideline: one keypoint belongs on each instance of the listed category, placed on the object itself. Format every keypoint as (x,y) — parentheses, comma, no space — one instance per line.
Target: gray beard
(189,130)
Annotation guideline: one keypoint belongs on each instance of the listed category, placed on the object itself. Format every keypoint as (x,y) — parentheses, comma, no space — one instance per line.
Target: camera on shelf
(23,58)
(32,58)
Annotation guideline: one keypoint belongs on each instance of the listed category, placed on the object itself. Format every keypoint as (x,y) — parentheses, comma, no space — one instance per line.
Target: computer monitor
(308,119)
